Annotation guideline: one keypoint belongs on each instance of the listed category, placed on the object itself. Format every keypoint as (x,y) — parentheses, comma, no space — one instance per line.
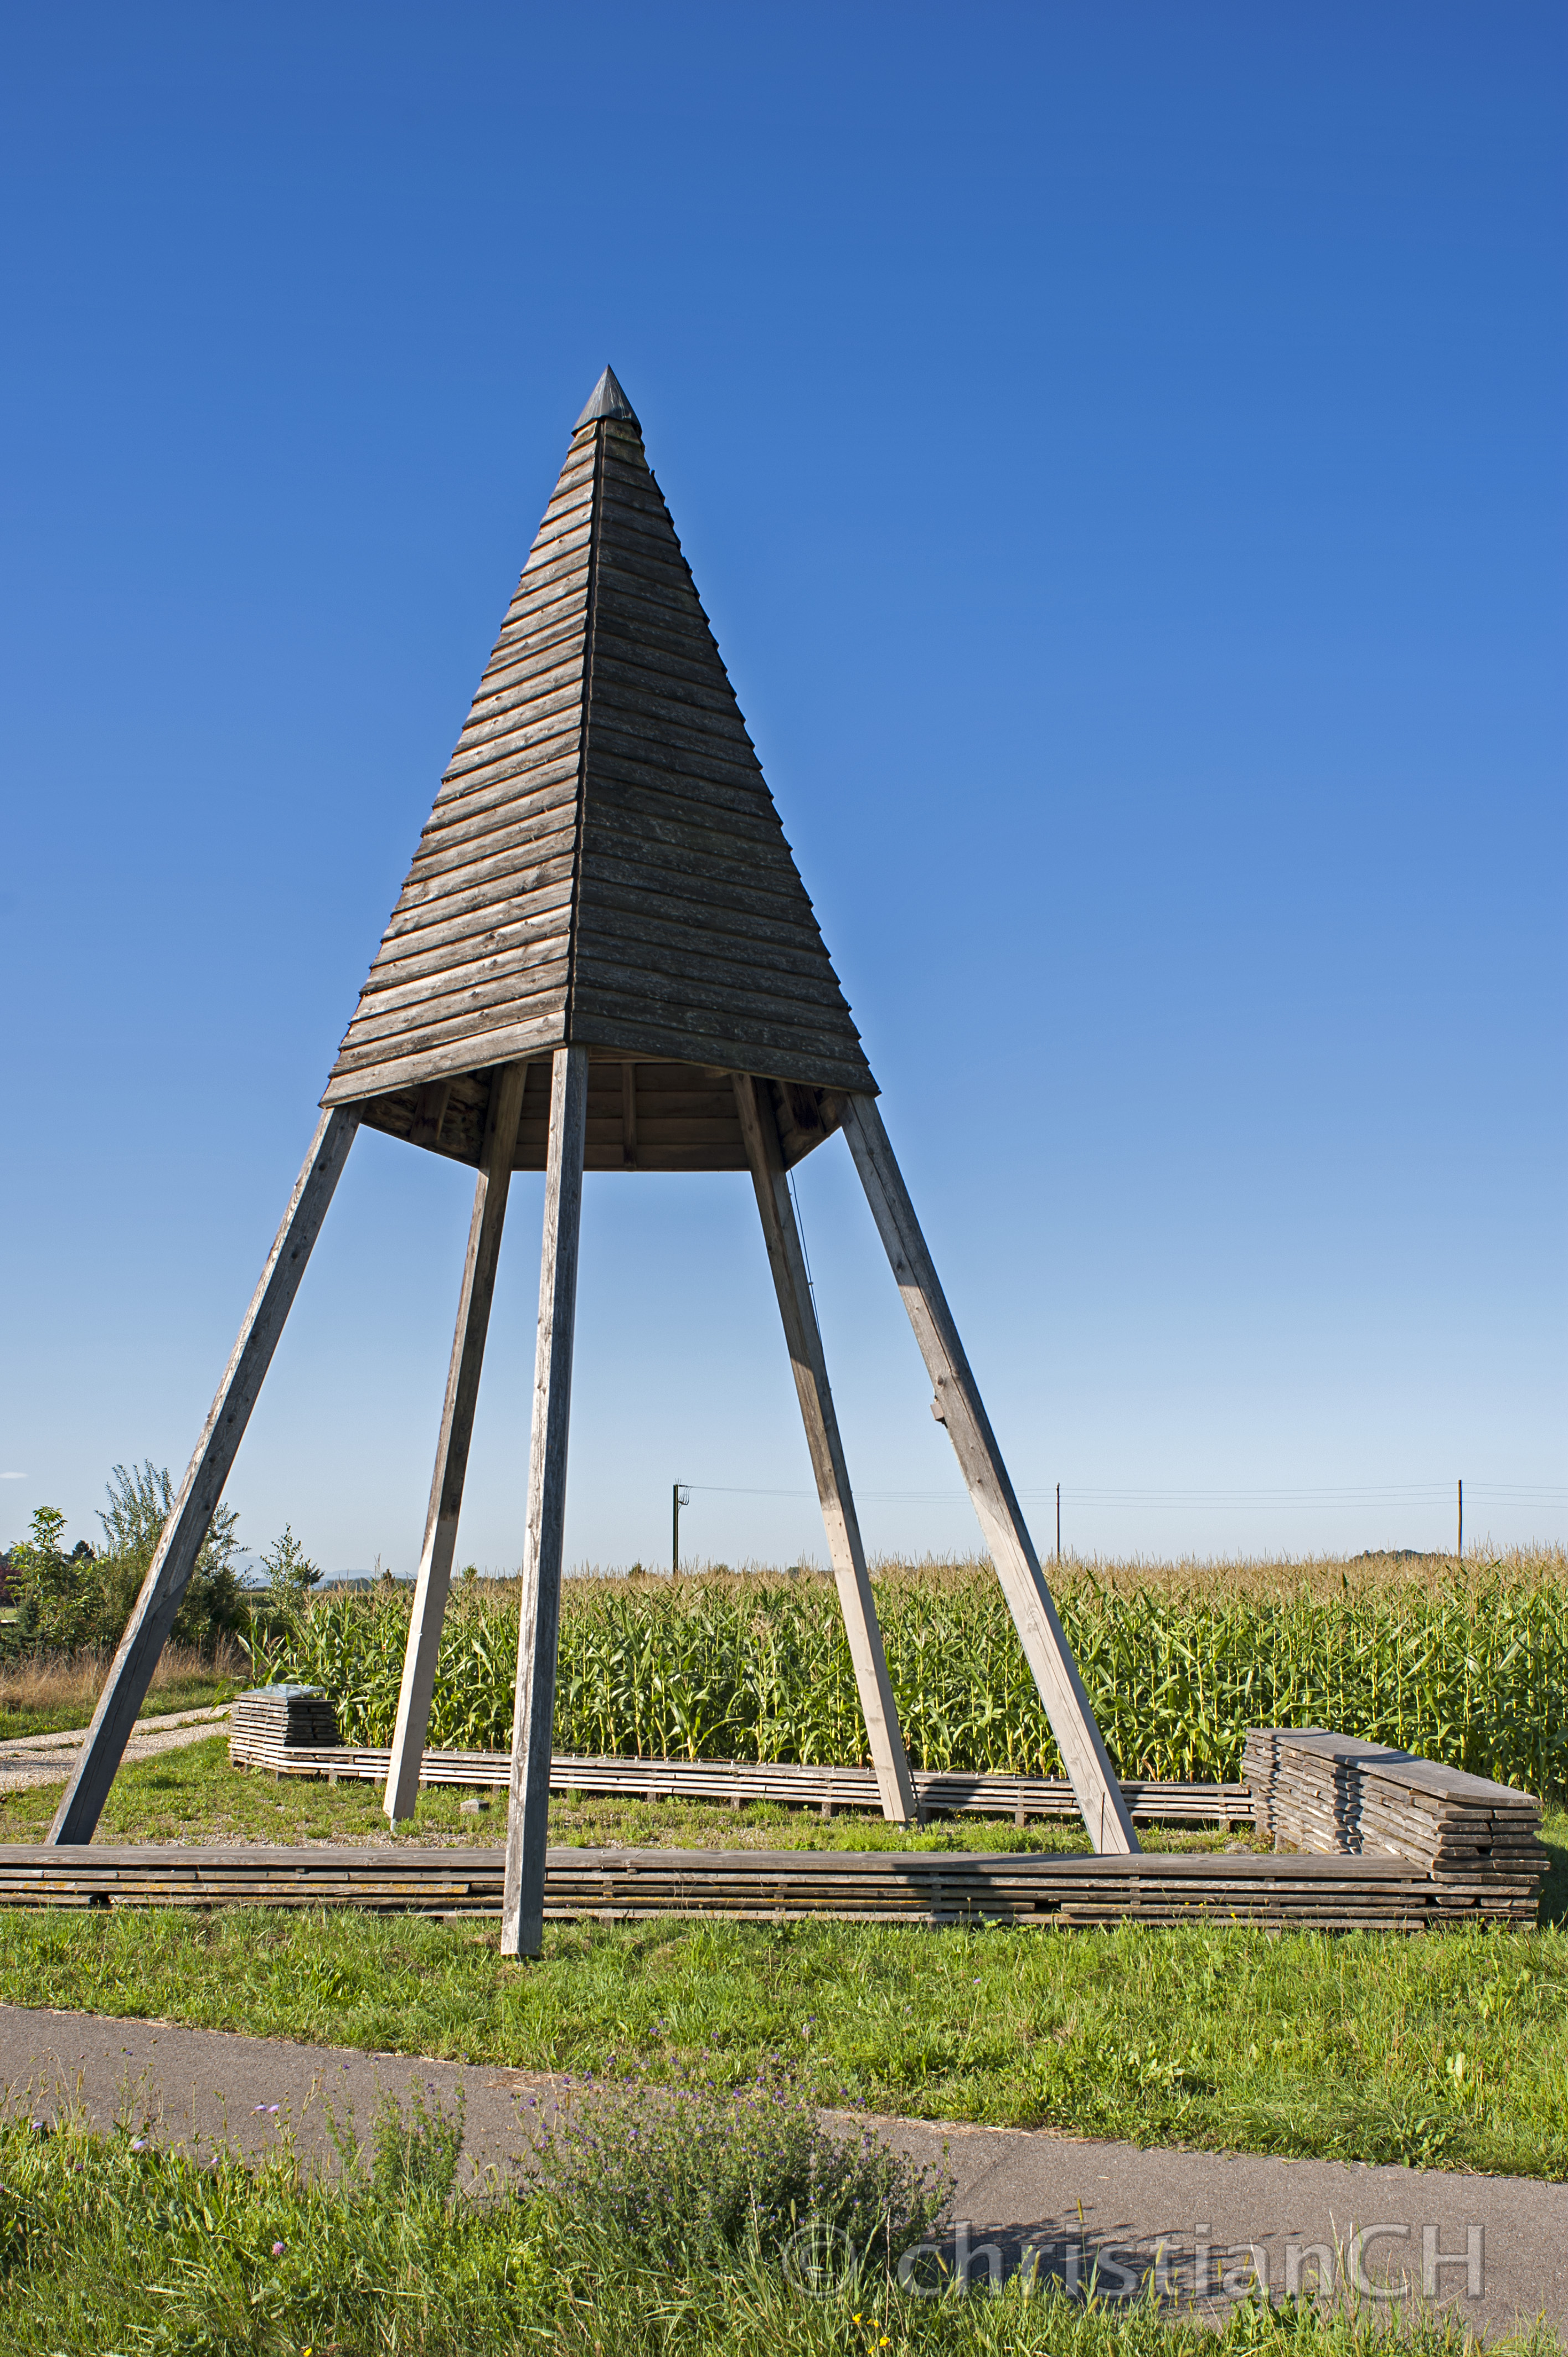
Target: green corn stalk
(760,1670)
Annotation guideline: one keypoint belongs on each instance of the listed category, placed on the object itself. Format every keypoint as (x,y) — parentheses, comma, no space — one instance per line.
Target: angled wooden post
(527,1833)
(809,1362)
(435,1579)
(168,1574)
(958,1406)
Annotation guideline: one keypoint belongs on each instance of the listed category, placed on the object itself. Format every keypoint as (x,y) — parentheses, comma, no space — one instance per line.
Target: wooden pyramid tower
(604,868)
(604,959)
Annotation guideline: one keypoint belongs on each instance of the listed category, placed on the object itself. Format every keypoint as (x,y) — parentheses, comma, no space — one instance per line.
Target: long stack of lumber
(942,1792)
(1335,1795)
(270,1722)
(1325,1893)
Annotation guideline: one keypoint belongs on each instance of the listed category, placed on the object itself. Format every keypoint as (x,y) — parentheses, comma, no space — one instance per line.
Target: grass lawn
(1448,2050)
(193,1692)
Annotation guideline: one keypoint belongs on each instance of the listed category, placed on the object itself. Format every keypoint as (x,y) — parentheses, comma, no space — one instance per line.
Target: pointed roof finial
(606,400)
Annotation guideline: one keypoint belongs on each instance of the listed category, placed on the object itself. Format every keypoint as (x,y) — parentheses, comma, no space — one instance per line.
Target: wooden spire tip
(606,400)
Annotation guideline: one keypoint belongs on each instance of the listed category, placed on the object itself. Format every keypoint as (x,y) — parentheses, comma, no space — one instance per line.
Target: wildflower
(138,2143)
(263,2107)
(278,2249)
(39,2127)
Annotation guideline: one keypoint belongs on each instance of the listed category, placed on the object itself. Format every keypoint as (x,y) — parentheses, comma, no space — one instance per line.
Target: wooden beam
(527,1833)
(173,1560)
(435,1579)
(788,1261)
(628,1115)
(958,1405)
(429,1112)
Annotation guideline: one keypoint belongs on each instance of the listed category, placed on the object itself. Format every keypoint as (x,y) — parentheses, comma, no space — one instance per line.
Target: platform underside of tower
(644,1113)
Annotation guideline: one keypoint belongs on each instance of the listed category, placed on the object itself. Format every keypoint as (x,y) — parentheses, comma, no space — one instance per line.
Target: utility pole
(1058,1522)
(1459,1549)
(678,1498)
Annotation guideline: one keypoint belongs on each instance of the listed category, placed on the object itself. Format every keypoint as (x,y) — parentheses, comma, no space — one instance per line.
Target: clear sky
(1121,451)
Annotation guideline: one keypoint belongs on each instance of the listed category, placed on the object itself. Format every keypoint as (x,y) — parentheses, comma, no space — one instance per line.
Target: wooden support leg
(787,1262)
(958,1406)
(168,1574)
(522,1903)
(456,1431)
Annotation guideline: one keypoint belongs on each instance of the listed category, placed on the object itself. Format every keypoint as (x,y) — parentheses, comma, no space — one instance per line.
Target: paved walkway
(1494,2248)
(50,1759)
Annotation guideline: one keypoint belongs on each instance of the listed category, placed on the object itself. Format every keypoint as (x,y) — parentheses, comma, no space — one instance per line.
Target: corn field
(758,1669)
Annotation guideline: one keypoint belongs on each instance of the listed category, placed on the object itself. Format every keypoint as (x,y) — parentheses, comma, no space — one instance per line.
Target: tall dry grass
(33,1683)
(1202,1578)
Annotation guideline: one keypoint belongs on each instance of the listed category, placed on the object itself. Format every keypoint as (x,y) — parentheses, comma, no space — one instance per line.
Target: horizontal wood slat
(285,1747)
(632,1885)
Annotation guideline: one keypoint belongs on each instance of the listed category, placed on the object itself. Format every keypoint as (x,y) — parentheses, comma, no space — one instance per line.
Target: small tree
(291,1575)
(141,1500)
(58,1594)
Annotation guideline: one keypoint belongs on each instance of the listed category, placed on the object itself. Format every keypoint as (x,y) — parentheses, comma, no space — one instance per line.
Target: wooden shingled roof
(604,866)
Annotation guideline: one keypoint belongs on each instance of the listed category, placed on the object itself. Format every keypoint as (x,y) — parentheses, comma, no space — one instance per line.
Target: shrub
(691,2171)
(55,1593)
(67,1603)
(141,1500)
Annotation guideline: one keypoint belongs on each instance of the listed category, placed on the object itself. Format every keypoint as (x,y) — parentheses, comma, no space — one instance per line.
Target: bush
(141,1499)
(67,1603)
(689,2172)
(55,1593)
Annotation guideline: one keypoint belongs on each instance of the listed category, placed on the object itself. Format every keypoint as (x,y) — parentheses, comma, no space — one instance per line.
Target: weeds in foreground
(106,2242)
(692,2170)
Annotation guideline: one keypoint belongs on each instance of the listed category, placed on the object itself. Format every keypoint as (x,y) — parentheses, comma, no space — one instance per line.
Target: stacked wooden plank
(1332,1794)
(271,1723)
(1279,1892)
(733,1782)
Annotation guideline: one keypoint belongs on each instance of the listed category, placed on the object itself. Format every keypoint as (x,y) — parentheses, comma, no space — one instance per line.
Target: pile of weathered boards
(270,1722)
(1480,1842)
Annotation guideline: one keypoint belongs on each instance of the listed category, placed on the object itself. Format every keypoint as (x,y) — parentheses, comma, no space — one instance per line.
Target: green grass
(193,1794)
(105,2248)
(1343,2047)
(194,1693)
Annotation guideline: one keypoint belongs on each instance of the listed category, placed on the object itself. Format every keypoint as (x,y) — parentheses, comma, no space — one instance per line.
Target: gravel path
(50,1759)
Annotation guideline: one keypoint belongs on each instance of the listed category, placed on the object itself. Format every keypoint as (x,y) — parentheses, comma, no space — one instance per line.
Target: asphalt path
(1205,2226)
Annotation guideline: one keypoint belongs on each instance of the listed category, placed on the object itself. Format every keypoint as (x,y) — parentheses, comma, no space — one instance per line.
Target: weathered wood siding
(604,864)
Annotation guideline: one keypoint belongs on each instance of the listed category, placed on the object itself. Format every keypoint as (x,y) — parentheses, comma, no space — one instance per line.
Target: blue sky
(1121,449)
